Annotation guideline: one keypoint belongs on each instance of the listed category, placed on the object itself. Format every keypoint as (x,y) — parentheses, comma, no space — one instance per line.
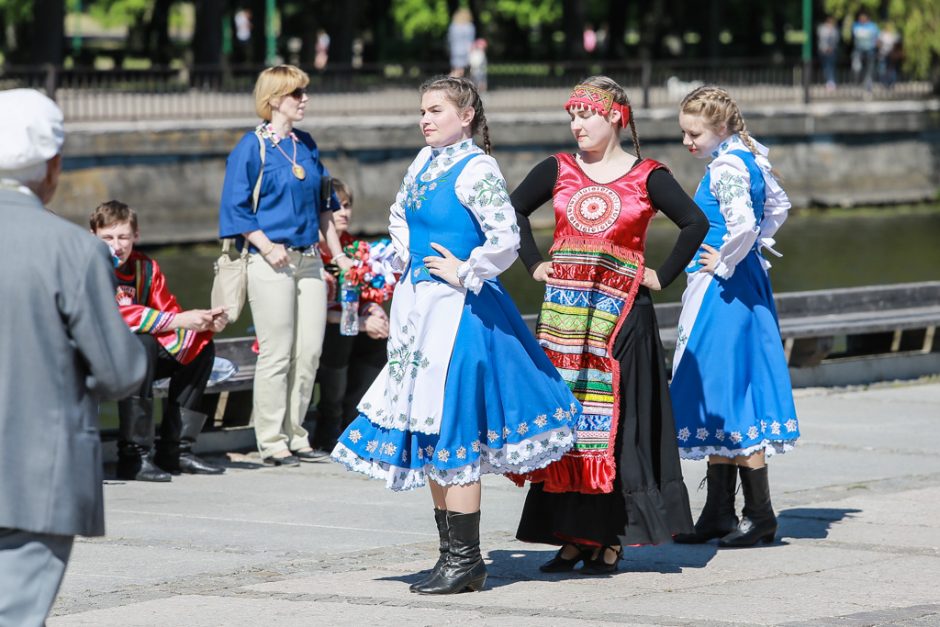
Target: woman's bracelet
(270,250)
(341,254)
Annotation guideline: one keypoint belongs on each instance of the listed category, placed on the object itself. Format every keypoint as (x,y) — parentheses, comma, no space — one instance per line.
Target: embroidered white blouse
(729,172)
(482,189)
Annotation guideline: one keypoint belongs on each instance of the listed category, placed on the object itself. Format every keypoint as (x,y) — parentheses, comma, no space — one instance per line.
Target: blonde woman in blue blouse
(286,290)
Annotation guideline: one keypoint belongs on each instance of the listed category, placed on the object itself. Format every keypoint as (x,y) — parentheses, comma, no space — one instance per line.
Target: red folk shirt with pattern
(618,212)
(148,306)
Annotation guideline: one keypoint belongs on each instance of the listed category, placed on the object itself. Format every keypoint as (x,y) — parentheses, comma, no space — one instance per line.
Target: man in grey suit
(64,346)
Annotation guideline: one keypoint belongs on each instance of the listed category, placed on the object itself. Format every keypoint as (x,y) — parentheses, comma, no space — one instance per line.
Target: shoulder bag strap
(255,195)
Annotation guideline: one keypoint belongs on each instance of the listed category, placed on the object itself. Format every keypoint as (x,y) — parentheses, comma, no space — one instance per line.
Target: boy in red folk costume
(179,345)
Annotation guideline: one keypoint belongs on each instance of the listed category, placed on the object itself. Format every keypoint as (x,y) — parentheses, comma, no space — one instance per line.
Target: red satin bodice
(618,212)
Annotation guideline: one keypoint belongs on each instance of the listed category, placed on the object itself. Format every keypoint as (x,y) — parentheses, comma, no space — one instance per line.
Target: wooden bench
(811,322)
(816,326)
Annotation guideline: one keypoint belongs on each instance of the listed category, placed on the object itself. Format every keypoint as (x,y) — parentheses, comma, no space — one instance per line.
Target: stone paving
(859,544)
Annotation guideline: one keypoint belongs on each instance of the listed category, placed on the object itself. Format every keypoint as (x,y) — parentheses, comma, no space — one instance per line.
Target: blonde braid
(718,108)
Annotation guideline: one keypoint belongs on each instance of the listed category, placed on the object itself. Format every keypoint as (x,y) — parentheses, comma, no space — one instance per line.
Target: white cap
(31,129)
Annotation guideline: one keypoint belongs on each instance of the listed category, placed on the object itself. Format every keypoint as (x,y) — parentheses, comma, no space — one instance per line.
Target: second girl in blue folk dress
(467,390)
(730,386)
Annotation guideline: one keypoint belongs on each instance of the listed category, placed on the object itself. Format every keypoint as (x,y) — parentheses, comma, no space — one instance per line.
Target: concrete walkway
(859,544)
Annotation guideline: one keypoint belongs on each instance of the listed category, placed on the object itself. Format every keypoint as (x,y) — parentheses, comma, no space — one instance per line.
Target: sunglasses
(298,93)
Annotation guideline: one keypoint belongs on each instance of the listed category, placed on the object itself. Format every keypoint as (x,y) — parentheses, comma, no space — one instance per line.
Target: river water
(821,249)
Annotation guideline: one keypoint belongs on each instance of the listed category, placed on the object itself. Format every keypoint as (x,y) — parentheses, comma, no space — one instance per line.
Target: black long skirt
(649,503)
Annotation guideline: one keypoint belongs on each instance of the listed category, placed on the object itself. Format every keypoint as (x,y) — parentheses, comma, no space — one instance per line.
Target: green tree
(918,21)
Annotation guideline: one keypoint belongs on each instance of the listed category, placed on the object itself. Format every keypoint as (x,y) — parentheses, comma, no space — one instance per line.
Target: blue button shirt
(288,208)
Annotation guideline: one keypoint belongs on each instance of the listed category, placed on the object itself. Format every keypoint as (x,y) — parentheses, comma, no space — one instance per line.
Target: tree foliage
(394,30)
(117,12)
(421,17)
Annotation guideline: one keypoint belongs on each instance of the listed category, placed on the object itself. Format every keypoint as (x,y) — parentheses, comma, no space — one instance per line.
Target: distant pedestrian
(460,36)
(864,48)
(65,347)
(243,27)
(478,64)
(889,46)
(827,46)
(730,383)
(589,39)
(322,50)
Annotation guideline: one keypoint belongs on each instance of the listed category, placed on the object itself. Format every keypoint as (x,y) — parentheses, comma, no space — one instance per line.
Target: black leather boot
(440,518)
(135,441)
(758,522)
(187,461)
(717,518)
(463,569)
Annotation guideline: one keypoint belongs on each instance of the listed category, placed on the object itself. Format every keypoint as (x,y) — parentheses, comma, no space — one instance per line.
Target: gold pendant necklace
(296,168)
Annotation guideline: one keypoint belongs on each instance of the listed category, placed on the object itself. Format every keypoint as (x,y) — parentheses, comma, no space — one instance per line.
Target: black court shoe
(559,564)
(597,565)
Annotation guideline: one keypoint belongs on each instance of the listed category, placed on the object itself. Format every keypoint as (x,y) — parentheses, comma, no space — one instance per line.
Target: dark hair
(620,97)
(112,212)
(463,94)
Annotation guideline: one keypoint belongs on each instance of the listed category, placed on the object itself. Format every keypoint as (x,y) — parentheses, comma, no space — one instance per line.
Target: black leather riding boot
(717,518)
(464,568)
(758,522)
(135,441)
(184,459)
(440,518)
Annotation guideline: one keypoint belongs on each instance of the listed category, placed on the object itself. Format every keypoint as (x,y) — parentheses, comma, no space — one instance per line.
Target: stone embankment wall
(832,155)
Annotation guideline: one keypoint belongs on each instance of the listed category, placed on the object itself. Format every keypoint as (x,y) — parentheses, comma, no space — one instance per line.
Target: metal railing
(225,91)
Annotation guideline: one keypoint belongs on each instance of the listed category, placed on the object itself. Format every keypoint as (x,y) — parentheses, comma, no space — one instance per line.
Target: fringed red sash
(586,302)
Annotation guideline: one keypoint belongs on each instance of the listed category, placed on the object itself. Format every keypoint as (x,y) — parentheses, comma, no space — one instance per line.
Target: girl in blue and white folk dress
(731,388)
(467,390)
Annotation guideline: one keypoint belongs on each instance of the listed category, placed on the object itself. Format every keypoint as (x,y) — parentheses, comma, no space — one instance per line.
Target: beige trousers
(289,311)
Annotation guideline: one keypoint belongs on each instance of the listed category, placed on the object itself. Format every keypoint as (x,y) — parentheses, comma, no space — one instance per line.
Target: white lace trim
(520,458)
(770,448)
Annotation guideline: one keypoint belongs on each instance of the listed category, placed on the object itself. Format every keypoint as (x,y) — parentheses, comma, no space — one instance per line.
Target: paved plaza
(859,544)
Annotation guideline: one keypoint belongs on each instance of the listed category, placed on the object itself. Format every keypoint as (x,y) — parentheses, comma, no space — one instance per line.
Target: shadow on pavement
(810,522)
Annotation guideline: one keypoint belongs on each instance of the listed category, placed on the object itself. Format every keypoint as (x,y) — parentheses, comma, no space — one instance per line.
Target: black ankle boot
(440,518)
(717,518)
(758,522)
(463,569)
(135,441)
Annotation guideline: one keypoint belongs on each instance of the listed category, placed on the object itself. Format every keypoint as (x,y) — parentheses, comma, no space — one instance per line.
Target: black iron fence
(225,91)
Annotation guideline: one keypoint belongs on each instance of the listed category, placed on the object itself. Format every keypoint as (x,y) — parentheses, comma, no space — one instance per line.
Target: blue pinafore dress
(731,391)
(504,408)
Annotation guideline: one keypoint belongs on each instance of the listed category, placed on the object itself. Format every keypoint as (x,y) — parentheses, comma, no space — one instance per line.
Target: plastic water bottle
(349,301)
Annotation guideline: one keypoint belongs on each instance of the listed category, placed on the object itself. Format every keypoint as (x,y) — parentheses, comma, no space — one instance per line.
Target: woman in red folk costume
(622,483)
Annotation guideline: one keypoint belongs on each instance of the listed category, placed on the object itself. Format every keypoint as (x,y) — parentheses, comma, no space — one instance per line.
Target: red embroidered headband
(599,100)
